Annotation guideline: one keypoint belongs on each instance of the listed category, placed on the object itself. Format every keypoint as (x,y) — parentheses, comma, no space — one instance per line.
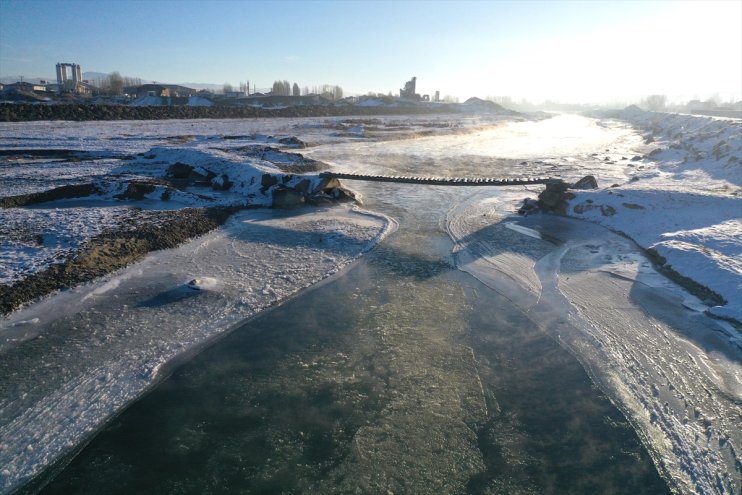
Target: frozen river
(470,351)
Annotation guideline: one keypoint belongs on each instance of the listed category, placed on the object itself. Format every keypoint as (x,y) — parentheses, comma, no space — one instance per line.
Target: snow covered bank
(673,371)
(46,228)
(683,202)
(93,349)
(72,360)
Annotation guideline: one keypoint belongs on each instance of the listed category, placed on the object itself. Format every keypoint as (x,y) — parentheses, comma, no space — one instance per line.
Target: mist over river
(469,350)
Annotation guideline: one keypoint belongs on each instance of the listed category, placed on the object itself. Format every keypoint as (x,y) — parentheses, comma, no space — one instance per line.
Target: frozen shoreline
(100,346)
(692,182)
(683,202)
(673,371)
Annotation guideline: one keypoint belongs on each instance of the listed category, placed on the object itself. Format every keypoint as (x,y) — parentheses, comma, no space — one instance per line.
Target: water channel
(471,351)
(404,374)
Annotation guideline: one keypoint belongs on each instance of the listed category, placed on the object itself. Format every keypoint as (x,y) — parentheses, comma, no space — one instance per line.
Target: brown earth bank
(113,250)
(23,112)
(62,192)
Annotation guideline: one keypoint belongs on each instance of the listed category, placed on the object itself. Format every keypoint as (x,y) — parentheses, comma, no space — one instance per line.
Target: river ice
(675,373)
(96,348)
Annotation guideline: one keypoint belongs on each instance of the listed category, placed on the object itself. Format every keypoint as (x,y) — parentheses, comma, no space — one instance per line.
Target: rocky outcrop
(284,197)
(556,196)
(62,192)
(327,191)
(587,182)
(292,142)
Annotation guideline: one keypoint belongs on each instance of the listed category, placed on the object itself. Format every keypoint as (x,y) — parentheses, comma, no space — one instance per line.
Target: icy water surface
(405,375)
(369,385)
(469,352)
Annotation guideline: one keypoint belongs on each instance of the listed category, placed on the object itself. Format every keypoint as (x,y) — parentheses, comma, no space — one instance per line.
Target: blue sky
(565,50)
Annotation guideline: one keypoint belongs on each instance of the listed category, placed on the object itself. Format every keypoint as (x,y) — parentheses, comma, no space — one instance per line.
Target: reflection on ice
(523,230)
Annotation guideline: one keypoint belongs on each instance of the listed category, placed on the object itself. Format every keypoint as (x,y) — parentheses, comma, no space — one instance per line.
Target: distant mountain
(212,87)
(33,80)
(94,77)
(88,76)
(486,106)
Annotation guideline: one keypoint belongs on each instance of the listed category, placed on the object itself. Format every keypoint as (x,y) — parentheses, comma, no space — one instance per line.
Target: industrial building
(69,78)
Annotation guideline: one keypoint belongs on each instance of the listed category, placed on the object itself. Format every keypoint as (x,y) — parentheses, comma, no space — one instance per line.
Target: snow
(33,239)
(674,372)
(684,201)
(110,341)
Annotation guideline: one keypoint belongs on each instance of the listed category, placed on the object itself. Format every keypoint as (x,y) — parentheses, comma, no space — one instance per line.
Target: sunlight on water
(490,364)
(405,375)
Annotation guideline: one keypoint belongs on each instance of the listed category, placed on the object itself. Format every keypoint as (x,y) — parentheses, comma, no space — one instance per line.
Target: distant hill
(32,80)
(89,76)
(486,106)
(94,76)
(208,86)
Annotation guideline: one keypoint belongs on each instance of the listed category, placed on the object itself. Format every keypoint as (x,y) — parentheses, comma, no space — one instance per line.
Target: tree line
(285,88)
(114,83)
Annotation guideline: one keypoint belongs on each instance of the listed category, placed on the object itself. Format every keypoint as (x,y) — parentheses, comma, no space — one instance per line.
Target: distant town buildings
(409,92)
(24,86)
(166,90)
(115,89)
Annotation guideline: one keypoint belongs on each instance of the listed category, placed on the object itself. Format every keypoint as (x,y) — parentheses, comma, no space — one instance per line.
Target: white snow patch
(686,202)
(111,340)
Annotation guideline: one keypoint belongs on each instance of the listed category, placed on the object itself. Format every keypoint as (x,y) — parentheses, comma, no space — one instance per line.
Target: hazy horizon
(567,51)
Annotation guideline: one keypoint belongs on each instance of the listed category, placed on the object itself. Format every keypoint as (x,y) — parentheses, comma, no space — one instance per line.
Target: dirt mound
(113,250)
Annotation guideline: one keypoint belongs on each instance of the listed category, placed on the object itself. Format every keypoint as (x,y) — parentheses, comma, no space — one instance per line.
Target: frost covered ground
(684,200)
(224,165)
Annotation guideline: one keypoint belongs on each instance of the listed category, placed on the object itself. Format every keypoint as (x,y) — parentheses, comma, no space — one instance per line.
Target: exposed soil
(62,192)
(63,154)
(113,250)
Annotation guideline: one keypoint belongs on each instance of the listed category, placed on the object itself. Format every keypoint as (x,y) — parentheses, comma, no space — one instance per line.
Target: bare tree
(117,83)
(113,83)
(295,90)
(227,88)
(281,88)
(655,103)
(337,93)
